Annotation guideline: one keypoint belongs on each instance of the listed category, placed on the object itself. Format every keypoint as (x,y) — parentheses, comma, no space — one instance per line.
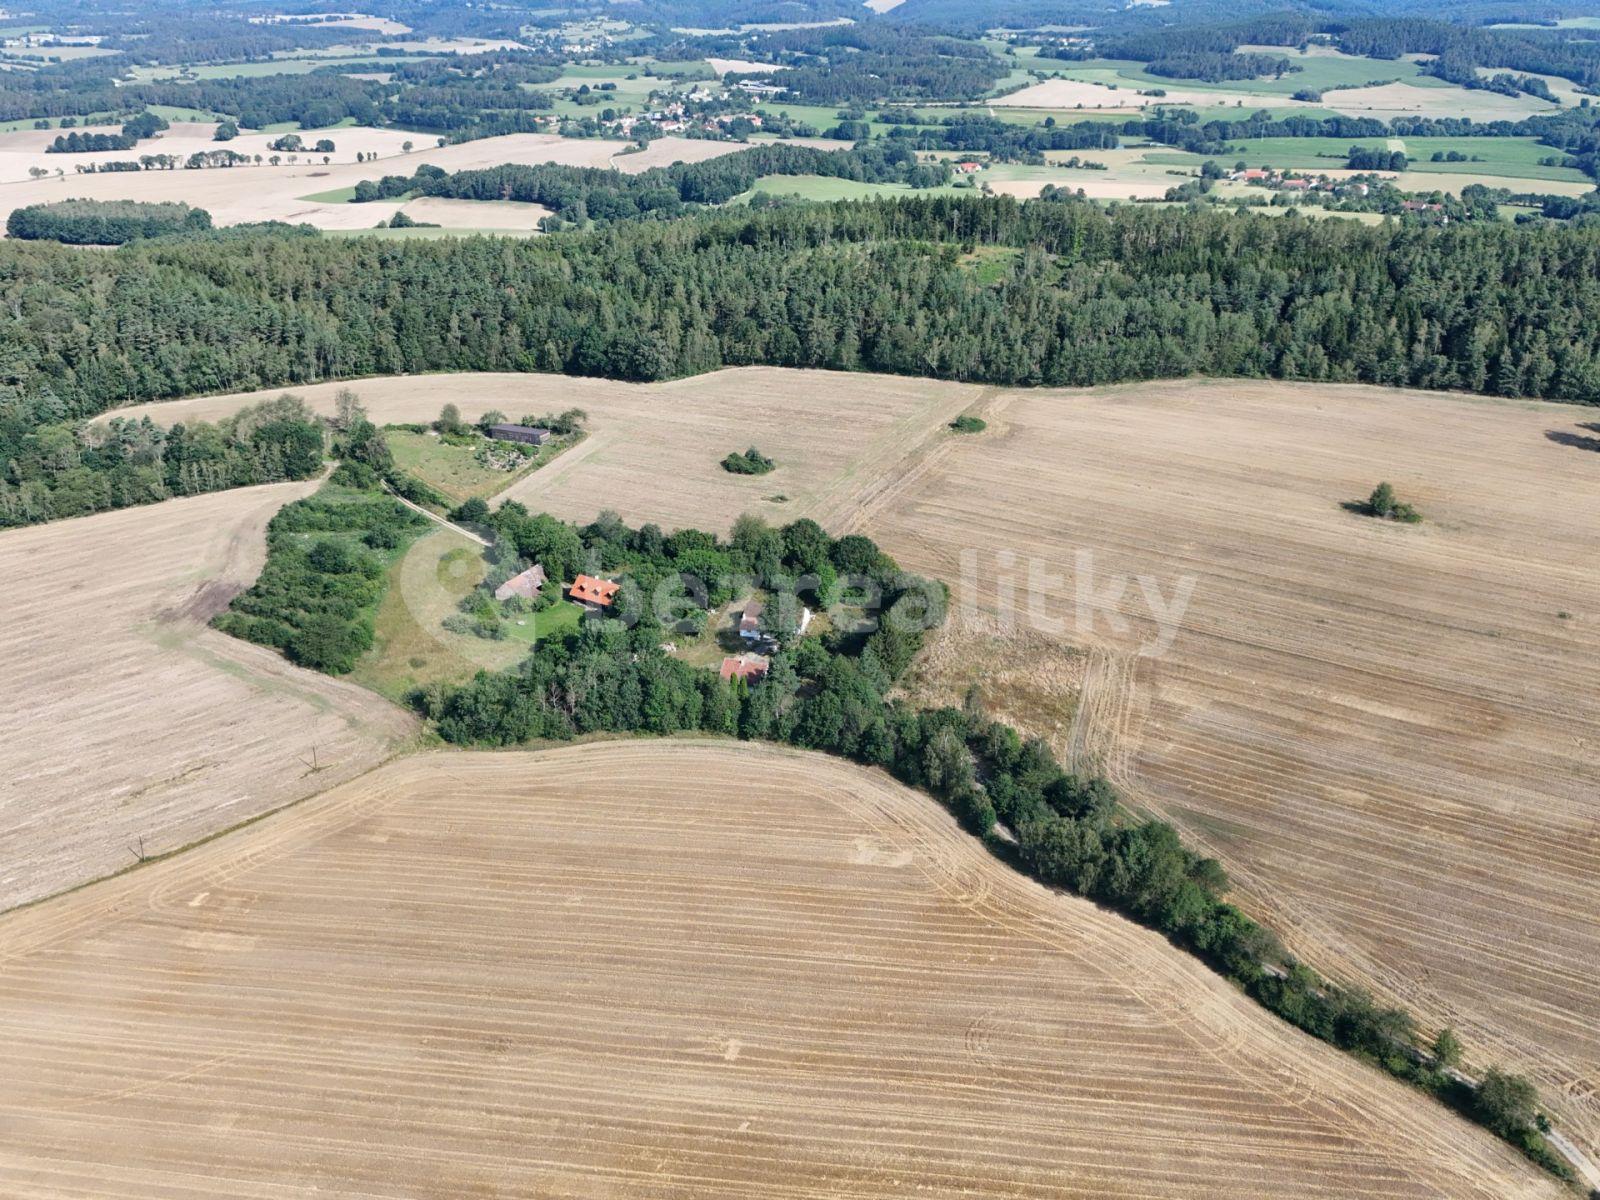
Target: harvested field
(728,972)
(25,148)
(663,152)
(127,720)
(509,215)
(1389,100)
(1080,93)
(266,193)
(654,450)
(1386,733)
(743,66)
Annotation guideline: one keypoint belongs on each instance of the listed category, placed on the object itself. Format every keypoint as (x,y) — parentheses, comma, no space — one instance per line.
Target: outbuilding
(528,435)
(749,667)
(526,585)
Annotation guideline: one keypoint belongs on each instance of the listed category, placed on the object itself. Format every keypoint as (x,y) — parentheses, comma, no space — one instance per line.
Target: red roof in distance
(586,589)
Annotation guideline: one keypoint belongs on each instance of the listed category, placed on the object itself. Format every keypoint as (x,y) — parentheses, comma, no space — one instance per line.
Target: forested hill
(1089,297)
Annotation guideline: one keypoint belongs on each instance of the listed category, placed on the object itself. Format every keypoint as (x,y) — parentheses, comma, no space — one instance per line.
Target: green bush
(751,462)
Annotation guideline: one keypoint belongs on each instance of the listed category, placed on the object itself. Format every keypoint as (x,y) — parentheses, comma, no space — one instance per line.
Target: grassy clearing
(455,470)
(557,619)
(991,264)
(1504,159)
(342,195)
(410,646)
(276,66)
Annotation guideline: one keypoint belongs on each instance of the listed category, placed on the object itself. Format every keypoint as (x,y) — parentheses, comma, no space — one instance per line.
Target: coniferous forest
(1091,297)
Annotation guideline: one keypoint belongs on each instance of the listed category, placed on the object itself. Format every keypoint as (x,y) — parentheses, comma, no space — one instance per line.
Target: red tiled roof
(586,589)
(749,667)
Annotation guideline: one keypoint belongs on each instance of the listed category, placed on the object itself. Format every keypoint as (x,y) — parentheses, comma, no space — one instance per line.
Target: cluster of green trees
(59,470)
(104,222)
(326,560)
(865,62)
(1095,296)
(1376,158)
(830,694)
(1219,66)
(578,195)
(751,462)
(613,674)
(1385,505)
(145,125)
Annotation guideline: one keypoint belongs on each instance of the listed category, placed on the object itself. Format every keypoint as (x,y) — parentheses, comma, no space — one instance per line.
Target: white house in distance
(526,585)
(750,621)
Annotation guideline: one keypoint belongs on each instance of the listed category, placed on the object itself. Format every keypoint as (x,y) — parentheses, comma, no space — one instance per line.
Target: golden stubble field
(128,725)
(653,450)
(666,969)
(1388,733)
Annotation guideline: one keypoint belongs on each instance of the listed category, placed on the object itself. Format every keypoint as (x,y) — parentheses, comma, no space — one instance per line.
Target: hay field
(508,215)
(1387,733)
(127,718)
(266,193)
(665,969)
(654,450)
(1389,100)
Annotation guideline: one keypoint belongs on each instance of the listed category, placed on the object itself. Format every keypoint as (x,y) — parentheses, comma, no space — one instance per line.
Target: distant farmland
(660,969)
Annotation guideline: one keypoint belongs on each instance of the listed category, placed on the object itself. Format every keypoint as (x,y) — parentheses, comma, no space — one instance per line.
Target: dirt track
(664,970)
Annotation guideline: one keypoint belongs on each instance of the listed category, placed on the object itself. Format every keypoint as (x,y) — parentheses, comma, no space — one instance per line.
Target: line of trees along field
(104,222)
(598,194)
(1095,297)
(55,471)
(827,693)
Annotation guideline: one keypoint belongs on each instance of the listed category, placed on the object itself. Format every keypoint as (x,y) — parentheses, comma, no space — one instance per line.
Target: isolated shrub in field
(1384,504)
(751,462)
(969,424)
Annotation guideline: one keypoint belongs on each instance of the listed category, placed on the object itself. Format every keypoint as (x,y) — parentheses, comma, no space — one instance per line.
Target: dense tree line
(1219,66)
(314,101)
(60,470)
(865,62)
(1098,296)
(1376,158)
(195,35)
(104,222)
(830,694)
(579,194)
(1461,48)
